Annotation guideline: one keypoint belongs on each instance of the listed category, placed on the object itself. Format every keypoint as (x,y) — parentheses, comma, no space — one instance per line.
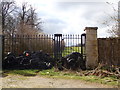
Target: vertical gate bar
(83,36)
(67,38)
(29,46)
(58,51)
(22,41)
(61,45)
(17,43)
(53,41)
(81,46)
(20,44)
(47,44)
(53,46)
(78,44)
(56,46)
(48,47)
(42,42)
(14,44)
(26,42)
(48,50)
(51,37)
(85,45)
(44,46)
(8,38)
(68,44)
(39,41)
(36,48)
(73,42)
(3,45)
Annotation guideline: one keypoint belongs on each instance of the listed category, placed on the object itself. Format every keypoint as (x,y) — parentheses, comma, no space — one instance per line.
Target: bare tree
(113,22)
(28,20)
(6,9)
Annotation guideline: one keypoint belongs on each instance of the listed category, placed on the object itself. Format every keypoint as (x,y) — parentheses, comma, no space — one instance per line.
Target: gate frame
(57,51)
(83,45)
(57,47)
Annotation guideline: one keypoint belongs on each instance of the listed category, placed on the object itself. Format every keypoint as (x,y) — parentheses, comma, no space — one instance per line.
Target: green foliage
(29,72)
(69,50)
(52,72)
(66,75)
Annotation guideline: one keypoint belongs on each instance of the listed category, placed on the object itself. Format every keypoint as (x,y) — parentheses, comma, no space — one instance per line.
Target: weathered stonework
(91,47)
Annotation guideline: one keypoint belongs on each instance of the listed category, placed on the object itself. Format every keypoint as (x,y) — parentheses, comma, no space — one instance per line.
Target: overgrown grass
(65,75)
(29,72)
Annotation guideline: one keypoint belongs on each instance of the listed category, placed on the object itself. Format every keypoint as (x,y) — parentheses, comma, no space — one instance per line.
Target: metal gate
(57,45)
(77,46)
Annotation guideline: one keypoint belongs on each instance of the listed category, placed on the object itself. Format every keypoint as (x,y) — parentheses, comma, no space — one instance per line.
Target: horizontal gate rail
(53,44)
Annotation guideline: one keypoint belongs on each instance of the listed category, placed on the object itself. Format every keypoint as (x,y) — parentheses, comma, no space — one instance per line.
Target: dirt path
(17,81)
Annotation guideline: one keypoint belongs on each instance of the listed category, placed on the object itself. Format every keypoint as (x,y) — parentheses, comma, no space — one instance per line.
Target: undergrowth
(65,75)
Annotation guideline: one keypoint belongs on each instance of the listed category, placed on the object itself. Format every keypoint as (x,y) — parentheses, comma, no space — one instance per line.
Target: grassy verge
(65,75)
(29,72)
(68,75)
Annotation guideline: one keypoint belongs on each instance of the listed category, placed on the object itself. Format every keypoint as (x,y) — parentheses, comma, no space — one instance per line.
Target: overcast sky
(72,16)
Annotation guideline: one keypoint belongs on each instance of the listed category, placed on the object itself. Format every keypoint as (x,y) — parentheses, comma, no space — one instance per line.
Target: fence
(109,51)
(56,45)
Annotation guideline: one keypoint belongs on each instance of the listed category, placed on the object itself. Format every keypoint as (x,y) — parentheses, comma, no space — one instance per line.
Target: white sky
(72,16)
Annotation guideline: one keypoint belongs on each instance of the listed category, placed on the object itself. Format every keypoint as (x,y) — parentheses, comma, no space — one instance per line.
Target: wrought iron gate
(59,49)
(57,45)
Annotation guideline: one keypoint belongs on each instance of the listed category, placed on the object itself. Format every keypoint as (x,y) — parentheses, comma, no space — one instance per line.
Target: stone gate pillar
(91,47)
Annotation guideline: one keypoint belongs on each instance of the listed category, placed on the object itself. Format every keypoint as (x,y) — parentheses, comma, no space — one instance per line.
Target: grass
(29,72)
(69,50)
(68,75)
(65,75)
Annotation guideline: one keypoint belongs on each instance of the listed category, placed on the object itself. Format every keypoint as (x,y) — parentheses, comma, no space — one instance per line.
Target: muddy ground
(18,81)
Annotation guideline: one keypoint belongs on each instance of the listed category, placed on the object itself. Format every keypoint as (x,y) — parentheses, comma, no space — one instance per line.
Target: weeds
(111,80)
